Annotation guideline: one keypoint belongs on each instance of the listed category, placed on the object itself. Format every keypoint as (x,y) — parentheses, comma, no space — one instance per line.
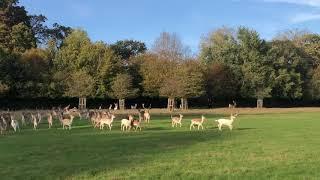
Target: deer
(4,123)
(115,106)
(23,120)
(2,128)
(146,115)
(233,105)
(14,124)
(136,124)
(176,120)
(197,122)
(34,121)
(134,107)
(126,123)
(110,107)
(94,118)
(6,119)
(226,122)
(67,121)
(50,120)
(39,116)
(108,121)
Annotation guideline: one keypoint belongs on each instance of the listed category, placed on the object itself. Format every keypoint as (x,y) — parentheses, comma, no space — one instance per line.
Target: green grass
(267,146)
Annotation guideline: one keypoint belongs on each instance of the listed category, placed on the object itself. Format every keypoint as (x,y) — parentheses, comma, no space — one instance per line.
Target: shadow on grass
(55,156)
(241,129)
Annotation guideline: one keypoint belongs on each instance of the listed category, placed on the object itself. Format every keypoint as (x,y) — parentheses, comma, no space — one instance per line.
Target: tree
(38,28)
(122,88)
(80,84)
(22,38)
(154,71)
(128,48)
(257,79)
(98,60)
(15,27)
(315,83)
(221,82)
(3,88)
(291,69)
(128,51)
(69,54)
(220,46)
(35,73)
(171,88)
(169,46)
(58,33)
(190,73)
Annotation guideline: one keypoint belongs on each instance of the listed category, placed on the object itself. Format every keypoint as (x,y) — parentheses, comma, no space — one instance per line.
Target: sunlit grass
(265,146)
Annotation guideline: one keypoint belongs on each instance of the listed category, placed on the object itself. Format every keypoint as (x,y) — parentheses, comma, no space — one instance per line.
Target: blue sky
(111,20)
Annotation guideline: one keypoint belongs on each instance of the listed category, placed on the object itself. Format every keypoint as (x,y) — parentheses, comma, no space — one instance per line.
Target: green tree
(79,84)
(128,48)
(98,60)
(257,71)
(154,71)
(315,83)
(220,46)
(291,69)
(34,74)
(3,88)
(122,88)
(190,74)
(22,38)
(15,28)
(221,82)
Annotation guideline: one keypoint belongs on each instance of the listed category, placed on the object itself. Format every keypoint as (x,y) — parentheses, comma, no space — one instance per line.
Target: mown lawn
(265,146)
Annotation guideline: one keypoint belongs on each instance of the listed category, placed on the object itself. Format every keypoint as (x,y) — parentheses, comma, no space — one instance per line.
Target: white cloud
(303,17)
(312,3)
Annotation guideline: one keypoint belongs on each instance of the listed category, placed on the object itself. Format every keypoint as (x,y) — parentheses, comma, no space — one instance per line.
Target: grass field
(262,146)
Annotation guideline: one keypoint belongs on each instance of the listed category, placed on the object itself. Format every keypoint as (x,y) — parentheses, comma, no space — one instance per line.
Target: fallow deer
(197,122)
(226,122)
(176,120)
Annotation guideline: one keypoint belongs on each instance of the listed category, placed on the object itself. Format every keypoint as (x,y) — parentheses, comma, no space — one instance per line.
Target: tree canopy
(38,59)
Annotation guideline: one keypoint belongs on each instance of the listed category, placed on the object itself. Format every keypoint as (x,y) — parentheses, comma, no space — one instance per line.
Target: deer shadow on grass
(64,156)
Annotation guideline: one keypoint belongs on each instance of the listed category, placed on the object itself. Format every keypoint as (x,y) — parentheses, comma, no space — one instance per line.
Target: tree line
(54,61)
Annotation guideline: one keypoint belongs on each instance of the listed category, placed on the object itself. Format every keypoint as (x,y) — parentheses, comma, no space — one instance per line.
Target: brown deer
(197,122)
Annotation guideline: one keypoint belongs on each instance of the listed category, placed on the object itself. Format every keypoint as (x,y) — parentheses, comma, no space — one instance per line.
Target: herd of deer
(98,118)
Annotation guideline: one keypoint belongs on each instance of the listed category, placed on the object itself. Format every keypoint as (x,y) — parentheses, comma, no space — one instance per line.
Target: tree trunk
(82,103)
(259,102)
(171,104)
(121,104)
(184,103)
